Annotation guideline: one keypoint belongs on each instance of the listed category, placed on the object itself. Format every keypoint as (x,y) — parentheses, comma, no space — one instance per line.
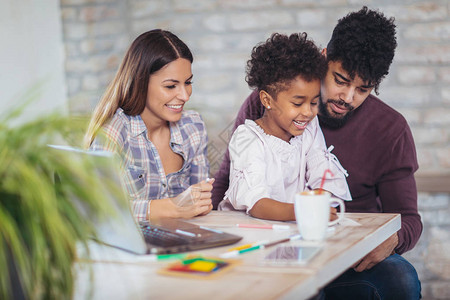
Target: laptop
(163,236)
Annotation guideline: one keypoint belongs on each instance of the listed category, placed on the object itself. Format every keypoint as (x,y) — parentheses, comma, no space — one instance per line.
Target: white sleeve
(247,170)
(319,159)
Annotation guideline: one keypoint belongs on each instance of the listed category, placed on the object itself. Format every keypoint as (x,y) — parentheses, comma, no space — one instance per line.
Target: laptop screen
(122,231)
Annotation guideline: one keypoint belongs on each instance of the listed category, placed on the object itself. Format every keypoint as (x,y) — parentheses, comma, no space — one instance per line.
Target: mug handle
(342,211)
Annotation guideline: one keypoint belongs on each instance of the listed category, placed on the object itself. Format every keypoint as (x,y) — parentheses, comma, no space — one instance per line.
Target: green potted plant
(40,227)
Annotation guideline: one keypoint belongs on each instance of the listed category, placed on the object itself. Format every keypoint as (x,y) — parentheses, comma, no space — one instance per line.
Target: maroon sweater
(377,149)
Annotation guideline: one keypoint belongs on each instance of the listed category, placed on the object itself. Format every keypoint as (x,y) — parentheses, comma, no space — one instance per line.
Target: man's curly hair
(364,42)
(278,61)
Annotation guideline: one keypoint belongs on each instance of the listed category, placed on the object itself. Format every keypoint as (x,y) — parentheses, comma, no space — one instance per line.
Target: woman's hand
(195,202)
(205,195)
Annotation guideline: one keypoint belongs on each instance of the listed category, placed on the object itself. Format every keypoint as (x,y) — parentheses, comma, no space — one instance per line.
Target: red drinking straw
(323,179)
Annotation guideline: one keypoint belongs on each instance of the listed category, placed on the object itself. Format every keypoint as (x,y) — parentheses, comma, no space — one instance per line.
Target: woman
(141,115)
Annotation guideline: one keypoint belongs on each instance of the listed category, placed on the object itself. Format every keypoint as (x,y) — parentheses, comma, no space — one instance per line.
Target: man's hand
(378,254)
(333,213)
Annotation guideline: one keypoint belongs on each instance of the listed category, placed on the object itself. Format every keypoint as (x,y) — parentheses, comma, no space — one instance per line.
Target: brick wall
(96,36)
(221,34)
(431,256)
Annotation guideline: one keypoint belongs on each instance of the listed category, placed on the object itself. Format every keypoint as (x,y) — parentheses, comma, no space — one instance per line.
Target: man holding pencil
(374,143)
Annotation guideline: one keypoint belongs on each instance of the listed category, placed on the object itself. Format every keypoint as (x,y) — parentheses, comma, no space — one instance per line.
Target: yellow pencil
(246,246)
(240,247)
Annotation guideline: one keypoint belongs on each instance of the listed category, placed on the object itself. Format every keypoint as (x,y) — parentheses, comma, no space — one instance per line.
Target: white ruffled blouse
(264,166)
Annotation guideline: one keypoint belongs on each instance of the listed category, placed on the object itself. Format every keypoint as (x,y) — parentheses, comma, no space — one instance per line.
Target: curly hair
(278,61)
(364,42)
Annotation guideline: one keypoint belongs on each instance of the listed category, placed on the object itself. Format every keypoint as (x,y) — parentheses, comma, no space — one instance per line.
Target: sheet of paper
(348,222)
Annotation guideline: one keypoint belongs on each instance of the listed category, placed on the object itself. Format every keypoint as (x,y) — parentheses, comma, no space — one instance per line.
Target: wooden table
(114,274)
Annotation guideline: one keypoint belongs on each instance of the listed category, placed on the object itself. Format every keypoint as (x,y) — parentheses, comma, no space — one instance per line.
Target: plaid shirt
(144,175)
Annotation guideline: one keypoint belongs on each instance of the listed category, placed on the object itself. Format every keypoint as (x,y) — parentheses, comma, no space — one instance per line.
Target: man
(374,143)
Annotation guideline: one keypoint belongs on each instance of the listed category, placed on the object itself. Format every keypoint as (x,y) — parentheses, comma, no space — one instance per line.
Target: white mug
(312,212)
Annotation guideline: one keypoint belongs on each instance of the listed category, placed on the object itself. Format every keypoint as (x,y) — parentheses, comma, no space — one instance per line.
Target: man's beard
(328,120)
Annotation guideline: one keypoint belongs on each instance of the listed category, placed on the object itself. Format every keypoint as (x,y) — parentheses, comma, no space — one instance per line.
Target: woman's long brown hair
(148,53)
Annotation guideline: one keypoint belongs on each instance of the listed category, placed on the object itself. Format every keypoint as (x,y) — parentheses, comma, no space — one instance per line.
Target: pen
(260,246)
(240,247)
(186,233)
(238,252)
(265,226)
(291,238)
(155,257)
(247,245)
(210,229)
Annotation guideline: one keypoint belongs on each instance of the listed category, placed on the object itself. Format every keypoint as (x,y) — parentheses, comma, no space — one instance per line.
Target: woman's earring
(268,106)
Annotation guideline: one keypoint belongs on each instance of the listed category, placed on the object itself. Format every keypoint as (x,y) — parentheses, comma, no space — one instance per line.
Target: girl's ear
(324,52)
(265,98)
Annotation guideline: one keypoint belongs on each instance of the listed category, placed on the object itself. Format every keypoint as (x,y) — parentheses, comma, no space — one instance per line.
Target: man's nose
(347,94)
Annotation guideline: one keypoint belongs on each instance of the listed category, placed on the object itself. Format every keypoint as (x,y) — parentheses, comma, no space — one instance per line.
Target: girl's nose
(308,111)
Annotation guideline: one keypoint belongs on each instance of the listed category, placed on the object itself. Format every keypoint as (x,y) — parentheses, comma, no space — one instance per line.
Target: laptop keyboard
(161,237)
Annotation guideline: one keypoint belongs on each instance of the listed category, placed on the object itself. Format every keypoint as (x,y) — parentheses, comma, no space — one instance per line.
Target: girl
(141,114)
(283,152)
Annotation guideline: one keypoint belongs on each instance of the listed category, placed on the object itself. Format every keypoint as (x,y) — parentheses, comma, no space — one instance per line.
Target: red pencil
(265,226)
